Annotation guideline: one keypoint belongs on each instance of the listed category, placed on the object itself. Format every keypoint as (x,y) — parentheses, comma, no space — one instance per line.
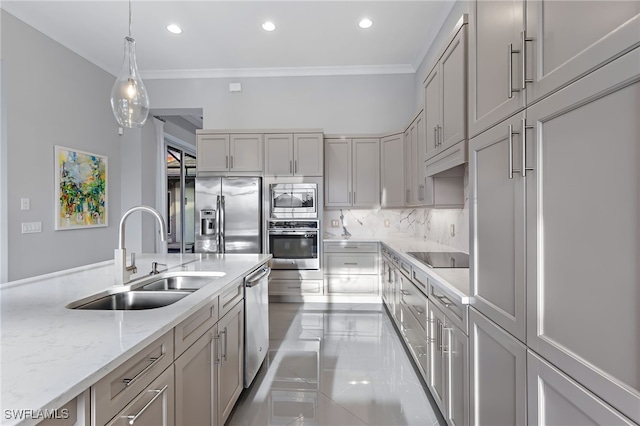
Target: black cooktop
(442,259)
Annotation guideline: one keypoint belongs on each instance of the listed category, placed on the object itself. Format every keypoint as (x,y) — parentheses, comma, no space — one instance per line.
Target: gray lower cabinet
(196,372)
(230,378)
(449,379)
(154,406)
(208,375)
(583,242)
(556,399)
(497,376)
(351,268)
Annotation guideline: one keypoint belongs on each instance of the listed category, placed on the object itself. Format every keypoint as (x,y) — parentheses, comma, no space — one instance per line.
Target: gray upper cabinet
(497,214)
(229,152)
(352,172)
(392,175)
(583,239)
(294,154)
(557,53)
(495,37)
(445,91)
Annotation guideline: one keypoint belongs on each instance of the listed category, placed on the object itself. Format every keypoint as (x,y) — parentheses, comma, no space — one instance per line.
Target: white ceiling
(224,38)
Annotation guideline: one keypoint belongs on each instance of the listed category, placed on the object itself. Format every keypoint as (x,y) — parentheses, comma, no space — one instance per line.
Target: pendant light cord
(129,18)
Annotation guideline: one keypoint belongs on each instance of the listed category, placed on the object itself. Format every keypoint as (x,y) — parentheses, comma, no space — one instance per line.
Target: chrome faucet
(123,272)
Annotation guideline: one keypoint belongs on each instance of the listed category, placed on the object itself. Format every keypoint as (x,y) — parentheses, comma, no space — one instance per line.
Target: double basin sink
(148,293)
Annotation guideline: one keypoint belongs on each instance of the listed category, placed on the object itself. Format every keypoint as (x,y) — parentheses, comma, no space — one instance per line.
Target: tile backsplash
(445,226)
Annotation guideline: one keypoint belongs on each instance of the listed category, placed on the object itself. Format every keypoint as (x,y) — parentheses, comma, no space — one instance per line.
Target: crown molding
(278,72)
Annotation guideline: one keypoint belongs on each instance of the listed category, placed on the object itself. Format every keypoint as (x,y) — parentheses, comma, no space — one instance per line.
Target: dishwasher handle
(255,279)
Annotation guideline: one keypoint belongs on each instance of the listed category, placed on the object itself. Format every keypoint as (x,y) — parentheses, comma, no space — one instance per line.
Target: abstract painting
(81,189)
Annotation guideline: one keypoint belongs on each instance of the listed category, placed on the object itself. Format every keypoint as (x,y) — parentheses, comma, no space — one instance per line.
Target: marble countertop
(51,354)
(454,281)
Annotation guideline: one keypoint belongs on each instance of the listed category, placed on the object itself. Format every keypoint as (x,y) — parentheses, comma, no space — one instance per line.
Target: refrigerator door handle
(221,224)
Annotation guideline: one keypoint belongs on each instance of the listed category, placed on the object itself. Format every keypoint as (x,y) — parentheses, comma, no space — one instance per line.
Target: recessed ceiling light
(268,26)
(365,23)
(173,28)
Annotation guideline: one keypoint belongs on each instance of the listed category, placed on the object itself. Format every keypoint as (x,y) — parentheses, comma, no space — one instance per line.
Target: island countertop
(50,354)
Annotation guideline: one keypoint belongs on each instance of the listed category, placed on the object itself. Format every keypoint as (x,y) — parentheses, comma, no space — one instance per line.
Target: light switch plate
(31,227)
(25,203)
(335,223)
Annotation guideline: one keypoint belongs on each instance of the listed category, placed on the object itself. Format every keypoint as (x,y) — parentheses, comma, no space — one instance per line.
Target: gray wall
(337,104)
(53,97)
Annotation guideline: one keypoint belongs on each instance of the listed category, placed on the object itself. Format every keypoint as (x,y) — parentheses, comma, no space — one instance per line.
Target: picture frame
(80,189)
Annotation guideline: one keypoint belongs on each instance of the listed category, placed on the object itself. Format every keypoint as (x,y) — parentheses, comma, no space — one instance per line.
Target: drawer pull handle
(445,301)
(351,247)
(419,310)
(351,263)
(154,361)
(405,293)
(159,392)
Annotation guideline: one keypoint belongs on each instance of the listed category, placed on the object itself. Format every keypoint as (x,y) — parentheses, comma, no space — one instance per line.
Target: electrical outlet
(453,230)
(335,223)
(387,223)
(25,203)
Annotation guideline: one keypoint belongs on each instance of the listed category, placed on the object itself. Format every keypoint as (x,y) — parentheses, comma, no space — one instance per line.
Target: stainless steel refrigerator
(228,215)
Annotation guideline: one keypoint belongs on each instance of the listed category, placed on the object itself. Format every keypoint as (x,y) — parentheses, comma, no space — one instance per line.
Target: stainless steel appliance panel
(293,200)
(256,311)
(294,244)
(229,214)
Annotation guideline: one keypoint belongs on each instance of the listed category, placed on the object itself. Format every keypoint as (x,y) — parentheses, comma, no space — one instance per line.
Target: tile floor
(335,365)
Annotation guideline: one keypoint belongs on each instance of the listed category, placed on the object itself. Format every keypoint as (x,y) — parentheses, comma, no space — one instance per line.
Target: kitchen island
(51,354)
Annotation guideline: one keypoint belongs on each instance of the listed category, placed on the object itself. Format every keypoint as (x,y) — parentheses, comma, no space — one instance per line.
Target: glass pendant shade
(129,99)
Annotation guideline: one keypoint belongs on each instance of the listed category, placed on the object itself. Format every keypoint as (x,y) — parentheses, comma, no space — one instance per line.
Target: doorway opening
(181,183)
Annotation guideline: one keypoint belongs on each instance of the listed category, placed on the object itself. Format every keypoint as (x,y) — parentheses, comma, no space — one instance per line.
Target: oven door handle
(315,232)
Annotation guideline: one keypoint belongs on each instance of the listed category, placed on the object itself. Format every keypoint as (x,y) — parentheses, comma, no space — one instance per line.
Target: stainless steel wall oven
(294,244)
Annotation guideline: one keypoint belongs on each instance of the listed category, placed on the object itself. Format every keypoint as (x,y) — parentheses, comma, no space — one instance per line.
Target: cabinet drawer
(350,247)
(118,388)
(416,302)
(420,280)
(190,330)
(416,339)
(362,285)
(455,311)
(230,297)
(295,287)
(357,263)
(154,406)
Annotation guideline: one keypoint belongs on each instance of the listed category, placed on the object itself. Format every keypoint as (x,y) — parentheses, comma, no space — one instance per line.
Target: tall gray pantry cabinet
(555,212)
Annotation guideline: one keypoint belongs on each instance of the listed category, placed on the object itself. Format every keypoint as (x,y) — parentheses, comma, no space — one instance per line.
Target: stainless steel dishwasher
(256,322)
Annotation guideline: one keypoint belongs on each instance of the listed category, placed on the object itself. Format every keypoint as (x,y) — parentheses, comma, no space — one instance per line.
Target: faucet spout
(124,272)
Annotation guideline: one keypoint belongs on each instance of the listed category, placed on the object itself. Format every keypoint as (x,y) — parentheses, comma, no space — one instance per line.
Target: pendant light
(129,99)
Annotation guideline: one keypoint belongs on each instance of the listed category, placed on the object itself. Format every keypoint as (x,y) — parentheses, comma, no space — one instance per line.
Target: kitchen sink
(132,300)
(181,282)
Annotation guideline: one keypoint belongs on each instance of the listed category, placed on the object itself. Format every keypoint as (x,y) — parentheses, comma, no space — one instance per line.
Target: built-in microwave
(294,200)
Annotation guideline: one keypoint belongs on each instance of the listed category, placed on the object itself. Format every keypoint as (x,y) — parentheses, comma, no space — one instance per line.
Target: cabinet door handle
(510,52)
(419,309)
(154,361)
(232,161)
(441,135)
(217,348)
(524,147)
(525,39)
(295,166)
(159,392)
(511,133)
(226,163)
(224,353)
(435,136)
